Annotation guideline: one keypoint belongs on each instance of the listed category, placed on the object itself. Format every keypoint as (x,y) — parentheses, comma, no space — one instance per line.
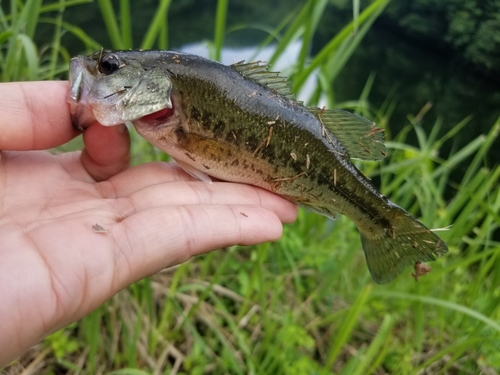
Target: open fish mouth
(97,93)
(158,117)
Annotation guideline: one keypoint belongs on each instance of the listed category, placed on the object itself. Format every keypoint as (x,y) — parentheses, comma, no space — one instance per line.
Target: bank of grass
(305,304)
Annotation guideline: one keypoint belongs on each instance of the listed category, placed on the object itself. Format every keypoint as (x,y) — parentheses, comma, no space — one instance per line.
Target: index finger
(35,115)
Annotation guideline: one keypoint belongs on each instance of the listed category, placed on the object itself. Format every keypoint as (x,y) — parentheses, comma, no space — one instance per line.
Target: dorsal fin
(258,72)
(361,138)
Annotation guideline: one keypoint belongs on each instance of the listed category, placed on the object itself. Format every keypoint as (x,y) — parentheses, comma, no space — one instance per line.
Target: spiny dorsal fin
(258,71)
(361,138)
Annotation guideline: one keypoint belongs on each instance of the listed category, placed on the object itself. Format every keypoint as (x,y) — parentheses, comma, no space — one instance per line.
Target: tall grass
(305,304)
(120,33)
(20,57)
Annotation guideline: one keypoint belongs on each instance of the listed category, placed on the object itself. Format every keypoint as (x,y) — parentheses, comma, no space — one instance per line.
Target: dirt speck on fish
(241,123)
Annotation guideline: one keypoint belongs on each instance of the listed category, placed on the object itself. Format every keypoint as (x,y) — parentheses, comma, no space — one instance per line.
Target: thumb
(107,150)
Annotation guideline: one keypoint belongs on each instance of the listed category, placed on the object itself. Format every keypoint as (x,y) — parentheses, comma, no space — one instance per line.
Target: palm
(153,216)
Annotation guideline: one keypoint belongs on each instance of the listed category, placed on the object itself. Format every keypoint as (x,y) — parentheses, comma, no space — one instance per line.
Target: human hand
(54,267)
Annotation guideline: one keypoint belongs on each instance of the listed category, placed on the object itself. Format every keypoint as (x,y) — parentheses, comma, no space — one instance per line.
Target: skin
(54,268)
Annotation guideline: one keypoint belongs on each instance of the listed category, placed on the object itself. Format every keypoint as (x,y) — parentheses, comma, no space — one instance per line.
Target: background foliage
(469,28)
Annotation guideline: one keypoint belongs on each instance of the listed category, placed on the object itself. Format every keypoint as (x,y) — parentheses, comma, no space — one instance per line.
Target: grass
(305,304)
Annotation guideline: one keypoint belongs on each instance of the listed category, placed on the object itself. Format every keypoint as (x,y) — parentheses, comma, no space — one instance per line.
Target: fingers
(107,150)
(154,184)
(154,239)
(169,222)
(35,115)
(142,176)
(165,184)
(218,193)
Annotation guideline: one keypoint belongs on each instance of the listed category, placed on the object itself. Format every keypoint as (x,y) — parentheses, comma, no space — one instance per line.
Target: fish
(241,123)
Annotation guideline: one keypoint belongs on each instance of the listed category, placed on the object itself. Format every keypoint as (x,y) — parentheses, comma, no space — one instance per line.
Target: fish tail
(406,242)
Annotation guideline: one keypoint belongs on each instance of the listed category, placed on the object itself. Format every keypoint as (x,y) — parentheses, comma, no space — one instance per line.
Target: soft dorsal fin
(258,71)
(361,138)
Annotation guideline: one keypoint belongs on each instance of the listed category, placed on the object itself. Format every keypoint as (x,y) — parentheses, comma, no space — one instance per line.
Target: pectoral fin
(195,172)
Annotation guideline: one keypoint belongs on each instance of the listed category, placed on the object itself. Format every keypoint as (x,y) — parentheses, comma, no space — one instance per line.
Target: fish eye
(108,65)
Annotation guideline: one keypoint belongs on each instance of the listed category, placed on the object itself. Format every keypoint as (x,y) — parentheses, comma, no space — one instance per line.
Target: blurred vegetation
(467,29)
(305,304)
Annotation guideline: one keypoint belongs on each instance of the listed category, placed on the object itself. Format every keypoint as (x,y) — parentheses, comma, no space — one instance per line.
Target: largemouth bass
(241,123)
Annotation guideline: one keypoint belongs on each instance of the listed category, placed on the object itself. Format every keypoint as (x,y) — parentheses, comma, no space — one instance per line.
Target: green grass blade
(383,335)
(91,330)
(316,11)
(443,303)
(56,42)
(126,24)
(347,327)
(355,14)
(45,8)
(457,158)
(452,132)
(129,371)
(462,345)
(293,32)
(31,13)
(110,20)
(346,49)
(90,44)
(274,34)
(481,155)
(373,10)
(363,98)
(157,25)
(4,36)
(163,36)
(220,28)
(31,56)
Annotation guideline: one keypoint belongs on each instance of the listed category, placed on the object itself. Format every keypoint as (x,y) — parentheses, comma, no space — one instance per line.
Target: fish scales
(238,123)
(250,119)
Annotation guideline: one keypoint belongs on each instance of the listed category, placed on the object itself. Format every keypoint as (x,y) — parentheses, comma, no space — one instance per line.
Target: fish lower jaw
(81,116)
(104,115)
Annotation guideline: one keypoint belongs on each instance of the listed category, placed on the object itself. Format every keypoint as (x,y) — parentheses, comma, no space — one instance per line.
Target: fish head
(115,87)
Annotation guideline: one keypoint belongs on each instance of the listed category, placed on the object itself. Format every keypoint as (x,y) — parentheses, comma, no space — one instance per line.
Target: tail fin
(408,241)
